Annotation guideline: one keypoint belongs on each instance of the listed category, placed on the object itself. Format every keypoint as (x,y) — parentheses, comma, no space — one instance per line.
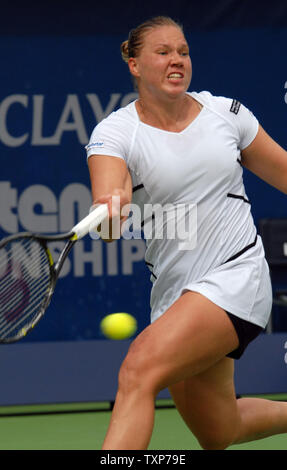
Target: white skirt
(241,287)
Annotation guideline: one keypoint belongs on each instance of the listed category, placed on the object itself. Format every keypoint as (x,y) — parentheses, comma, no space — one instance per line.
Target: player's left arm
(266,159)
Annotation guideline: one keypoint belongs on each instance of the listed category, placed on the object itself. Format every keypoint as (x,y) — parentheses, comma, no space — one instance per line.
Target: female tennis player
(209,298)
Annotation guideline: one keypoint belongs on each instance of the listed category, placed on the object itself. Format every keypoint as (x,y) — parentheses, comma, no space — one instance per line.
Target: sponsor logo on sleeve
(235,106)
(95,144)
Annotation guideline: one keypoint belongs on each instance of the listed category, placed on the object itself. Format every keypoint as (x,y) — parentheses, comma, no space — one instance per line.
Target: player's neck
(169,114)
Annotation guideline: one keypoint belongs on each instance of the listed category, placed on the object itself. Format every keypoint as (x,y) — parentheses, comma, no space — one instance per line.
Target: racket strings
(16,309)
(6,288)
(24,284)
(21,313)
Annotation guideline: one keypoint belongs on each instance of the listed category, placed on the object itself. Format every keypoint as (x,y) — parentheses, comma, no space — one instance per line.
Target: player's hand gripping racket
(28,275)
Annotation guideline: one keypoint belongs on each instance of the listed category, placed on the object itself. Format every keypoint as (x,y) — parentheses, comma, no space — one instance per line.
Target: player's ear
(134,67)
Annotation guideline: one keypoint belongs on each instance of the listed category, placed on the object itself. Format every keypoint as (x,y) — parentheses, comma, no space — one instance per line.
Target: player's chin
(176,91)
(176,87)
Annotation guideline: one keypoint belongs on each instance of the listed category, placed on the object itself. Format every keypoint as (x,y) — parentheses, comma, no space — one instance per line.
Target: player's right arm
(110,177)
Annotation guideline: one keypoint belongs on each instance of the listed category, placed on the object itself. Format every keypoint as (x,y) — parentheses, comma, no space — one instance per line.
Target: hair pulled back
(131,47)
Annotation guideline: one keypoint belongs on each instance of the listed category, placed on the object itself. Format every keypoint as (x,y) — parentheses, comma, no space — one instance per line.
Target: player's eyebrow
(169,46)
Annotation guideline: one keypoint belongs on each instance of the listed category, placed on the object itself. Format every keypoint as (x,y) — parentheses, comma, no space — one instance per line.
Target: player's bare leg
(192,336)
(208,405)
(261,418)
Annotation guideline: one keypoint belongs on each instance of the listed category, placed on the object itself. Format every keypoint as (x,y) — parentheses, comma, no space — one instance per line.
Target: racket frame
(54,268)
(95,217)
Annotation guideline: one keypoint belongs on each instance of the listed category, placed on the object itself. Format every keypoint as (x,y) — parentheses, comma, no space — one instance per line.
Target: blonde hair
(131,47)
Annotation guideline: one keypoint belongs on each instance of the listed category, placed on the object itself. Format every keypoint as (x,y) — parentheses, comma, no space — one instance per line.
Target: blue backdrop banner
(53,92)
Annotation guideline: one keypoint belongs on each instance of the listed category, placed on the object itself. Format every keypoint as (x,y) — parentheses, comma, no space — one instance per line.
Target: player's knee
(136,371)
(216,440)
(128,379)
(215,444)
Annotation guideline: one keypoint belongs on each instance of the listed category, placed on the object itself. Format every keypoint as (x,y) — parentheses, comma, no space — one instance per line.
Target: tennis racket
(28,274)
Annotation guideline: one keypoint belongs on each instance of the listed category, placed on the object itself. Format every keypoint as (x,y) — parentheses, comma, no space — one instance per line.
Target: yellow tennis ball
(118,326)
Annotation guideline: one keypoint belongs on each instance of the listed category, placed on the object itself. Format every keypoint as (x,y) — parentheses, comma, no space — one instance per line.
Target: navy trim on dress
(151,265)
(247,247)
(238,196)
(139,186)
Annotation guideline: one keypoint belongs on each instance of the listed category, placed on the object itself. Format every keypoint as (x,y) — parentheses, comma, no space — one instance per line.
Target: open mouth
(175,76)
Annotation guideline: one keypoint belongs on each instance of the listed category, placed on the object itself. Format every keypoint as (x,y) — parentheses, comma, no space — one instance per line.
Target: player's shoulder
(113,134)
(122,119)
(233,113)
(221,104)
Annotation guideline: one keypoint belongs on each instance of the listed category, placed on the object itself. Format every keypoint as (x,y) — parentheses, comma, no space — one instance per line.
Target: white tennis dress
(197,170)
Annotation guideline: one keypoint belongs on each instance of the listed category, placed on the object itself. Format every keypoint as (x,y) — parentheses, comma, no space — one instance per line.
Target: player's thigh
(207,403)
(191,336)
